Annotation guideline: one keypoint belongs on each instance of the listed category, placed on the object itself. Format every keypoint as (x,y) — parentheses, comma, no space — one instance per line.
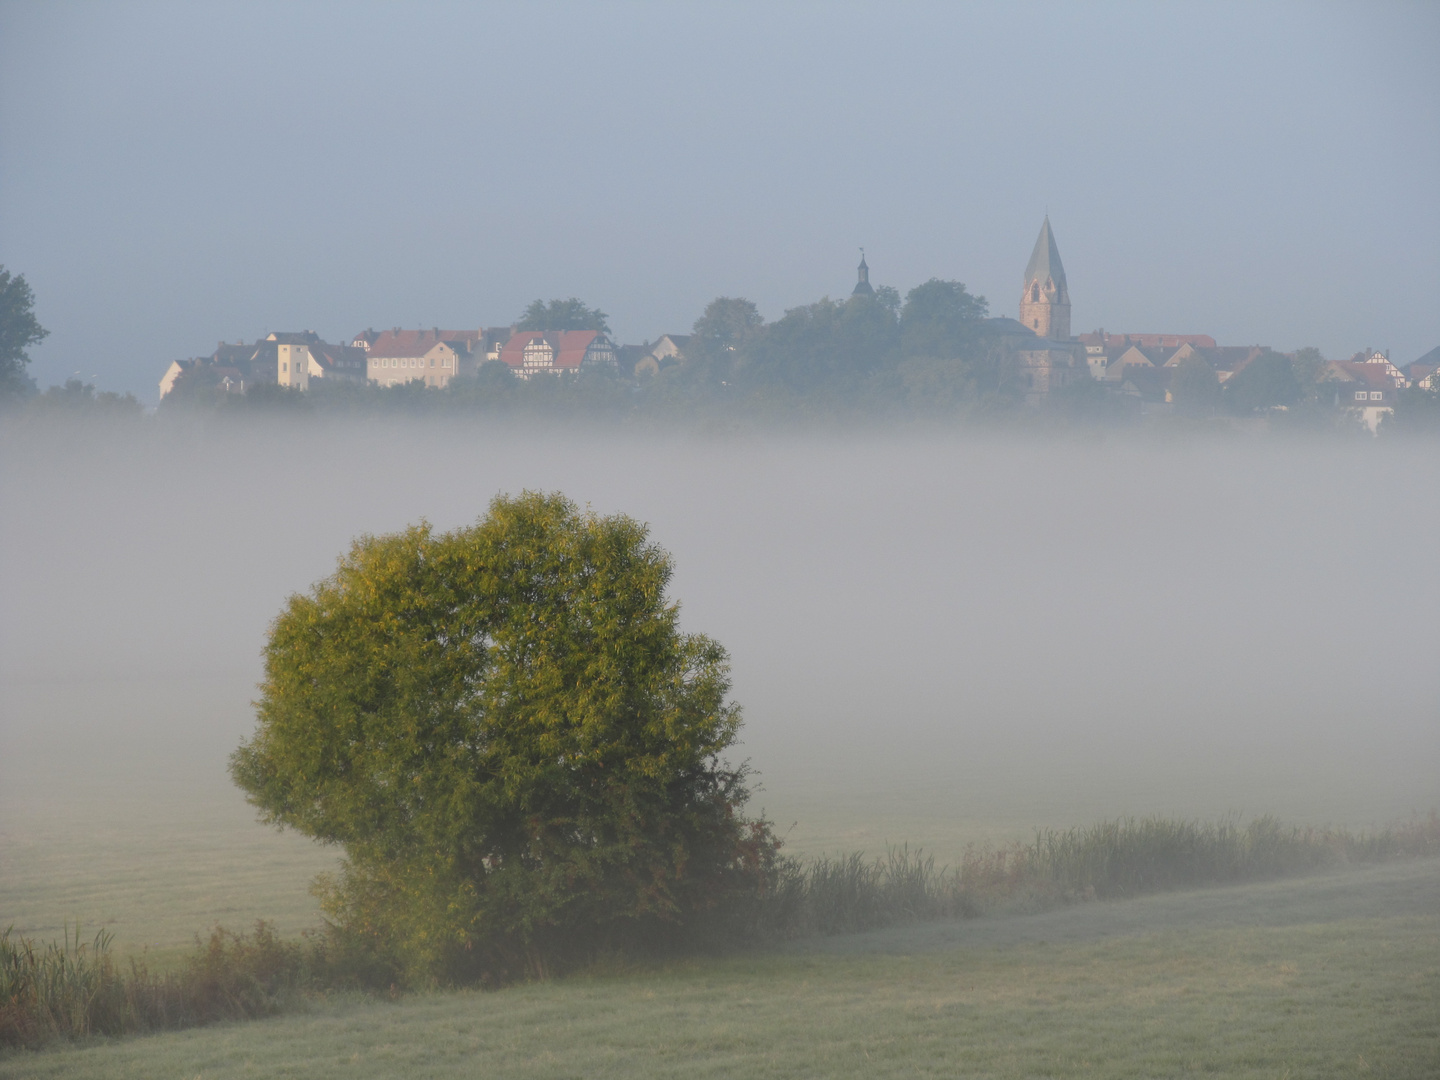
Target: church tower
(862,287)
(1045,304)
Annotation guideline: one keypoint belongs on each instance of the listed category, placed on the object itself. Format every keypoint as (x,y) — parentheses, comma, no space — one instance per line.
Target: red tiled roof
(401,343)
(513,352)
(1148,341)
(569,347)
(1372,375)
(573,344)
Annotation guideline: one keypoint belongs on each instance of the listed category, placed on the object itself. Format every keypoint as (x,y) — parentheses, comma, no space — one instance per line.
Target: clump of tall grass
(72,988)
(1134,856)
(1126,857)
(848,894)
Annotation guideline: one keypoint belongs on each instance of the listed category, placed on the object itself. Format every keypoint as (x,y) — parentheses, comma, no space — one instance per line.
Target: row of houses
(1119,357)
(432,357)
(1143,365)
(1043,354)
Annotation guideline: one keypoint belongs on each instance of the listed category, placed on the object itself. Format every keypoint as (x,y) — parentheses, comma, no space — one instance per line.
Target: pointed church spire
(1045,301)
(1045,259)
(862,287)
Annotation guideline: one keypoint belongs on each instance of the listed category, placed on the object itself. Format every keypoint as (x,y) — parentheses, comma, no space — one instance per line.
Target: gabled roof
(1135,356)
(573,345)
(1045,259)
(1372,376)
(568,347)
(239,353)
(332,357)
(403,343)
(513,352)
(1432,358)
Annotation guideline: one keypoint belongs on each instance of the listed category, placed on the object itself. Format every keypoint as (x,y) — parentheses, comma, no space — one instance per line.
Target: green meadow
(1202,662)
(1331,975)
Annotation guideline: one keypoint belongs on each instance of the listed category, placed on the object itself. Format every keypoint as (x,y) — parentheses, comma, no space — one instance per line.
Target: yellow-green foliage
(511,738)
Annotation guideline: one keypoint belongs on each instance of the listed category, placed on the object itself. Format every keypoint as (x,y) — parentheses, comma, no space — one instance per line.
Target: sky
(172,175)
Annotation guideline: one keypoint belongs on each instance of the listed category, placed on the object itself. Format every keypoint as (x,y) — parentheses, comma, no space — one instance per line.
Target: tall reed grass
(75,988)
(1127,857)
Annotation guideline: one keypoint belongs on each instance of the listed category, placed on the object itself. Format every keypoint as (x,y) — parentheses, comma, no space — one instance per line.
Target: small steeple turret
(862,287)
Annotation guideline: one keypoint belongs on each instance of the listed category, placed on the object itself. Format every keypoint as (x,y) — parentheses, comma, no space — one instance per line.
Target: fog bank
(933,638)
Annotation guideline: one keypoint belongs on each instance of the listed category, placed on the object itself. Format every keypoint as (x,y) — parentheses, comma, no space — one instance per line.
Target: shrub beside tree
(514,743)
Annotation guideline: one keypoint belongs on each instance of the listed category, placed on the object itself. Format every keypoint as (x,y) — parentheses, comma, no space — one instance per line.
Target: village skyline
(207,175)
(936,352)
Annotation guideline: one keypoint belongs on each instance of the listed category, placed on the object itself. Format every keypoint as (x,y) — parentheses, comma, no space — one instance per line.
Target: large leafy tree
(569,314)
(1267,381)
(508,733)
(940,318)
(825,348)
(1195,387)
(727,324)
(19,329)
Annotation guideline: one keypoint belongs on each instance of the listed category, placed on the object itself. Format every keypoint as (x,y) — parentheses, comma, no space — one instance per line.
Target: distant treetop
(19,329)
(563,315)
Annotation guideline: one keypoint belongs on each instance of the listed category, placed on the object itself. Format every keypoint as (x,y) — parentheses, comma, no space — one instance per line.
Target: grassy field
(135,827)
(885,604)
(1335,975)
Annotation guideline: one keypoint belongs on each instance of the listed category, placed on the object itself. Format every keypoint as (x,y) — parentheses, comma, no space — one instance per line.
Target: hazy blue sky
(173,174)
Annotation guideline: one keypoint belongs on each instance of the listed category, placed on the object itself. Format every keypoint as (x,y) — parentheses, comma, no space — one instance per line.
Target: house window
(1359,395)
(1376,395)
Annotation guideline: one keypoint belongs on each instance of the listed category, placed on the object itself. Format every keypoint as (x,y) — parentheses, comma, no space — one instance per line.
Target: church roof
(1003,325)
(1045,259)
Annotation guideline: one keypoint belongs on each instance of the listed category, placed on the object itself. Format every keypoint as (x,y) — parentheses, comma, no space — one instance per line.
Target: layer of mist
(934,638)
